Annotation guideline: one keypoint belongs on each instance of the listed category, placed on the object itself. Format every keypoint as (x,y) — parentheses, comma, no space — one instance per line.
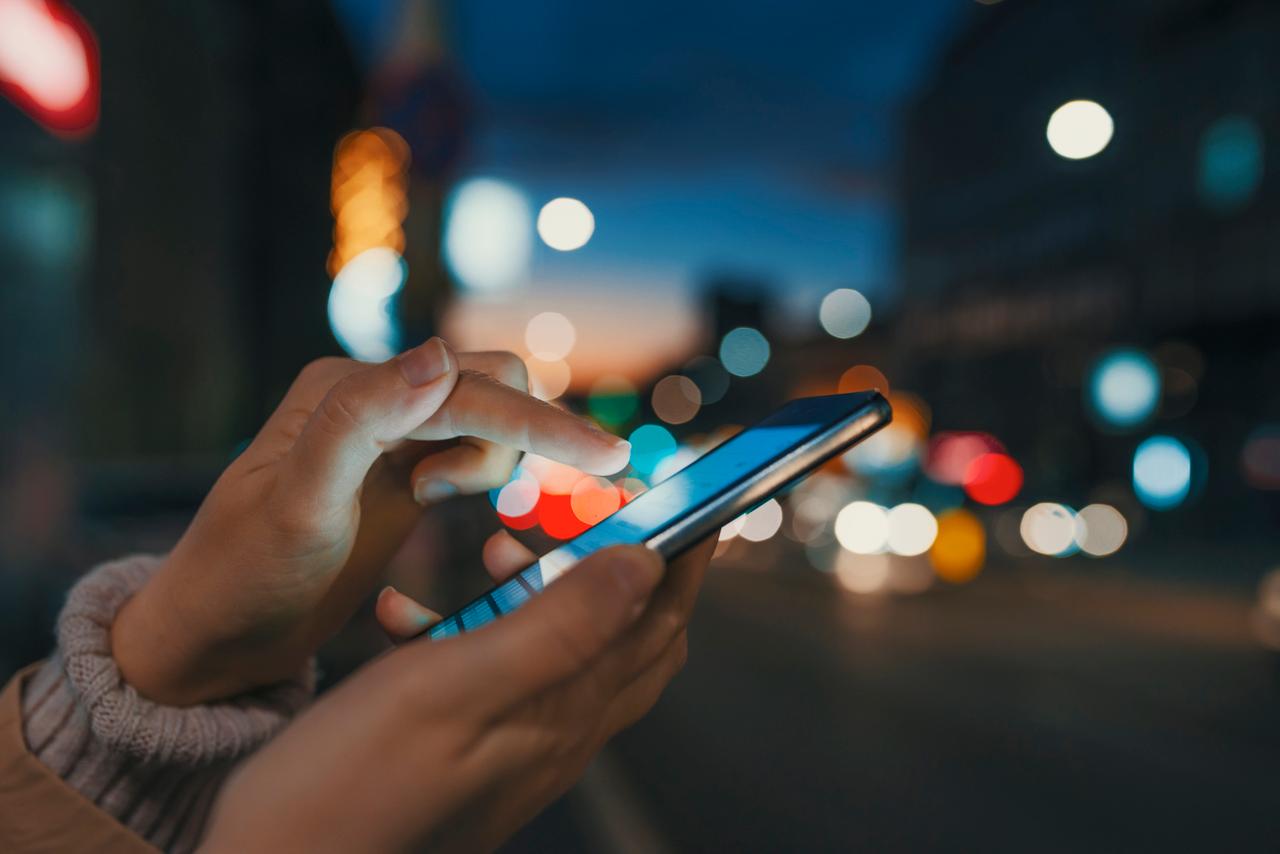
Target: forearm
(154,768)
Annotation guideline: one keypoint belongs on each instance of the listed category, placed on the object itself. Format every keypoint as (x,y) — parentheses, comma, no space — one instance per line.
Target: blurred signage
(49,64)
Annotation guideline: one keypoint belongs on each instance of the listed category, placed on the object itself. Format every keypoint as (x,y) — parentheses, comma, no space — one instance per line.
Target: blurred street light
(1162,472)
(565,224)
(49,64)
(1079,129)
(488,234)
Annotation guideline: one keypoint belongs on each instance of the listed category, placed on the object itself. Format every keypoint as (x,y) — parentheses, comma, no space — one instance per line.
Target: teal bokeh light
(1124,388)
(1231,163)
(744,351)
(650,445)
(1162,472)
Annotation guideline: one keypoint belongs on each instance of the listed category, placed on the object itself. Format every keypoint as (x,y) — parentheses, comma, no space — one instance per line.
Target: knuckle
(339,411)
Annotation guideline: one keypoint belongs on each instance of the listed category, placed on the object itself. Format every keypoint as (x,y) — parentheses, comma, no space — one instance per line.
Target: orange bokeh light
(959,550)
(862,378)
(593,499)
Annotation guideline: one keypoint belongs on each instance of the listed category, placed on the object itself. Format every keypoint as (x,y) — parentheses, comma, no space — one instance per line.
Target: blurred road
(1026,711)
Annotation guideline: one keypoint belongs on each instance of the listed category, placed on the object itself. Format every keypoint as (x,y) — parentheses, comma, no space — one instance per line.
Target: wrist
(164,654)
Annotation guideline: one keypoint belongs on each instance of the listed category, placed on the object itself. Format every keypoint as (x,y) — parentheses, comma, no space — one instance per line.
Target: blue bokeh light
(1162,472)
(650,445)
(362,304)
(1231,162)
(744,351)
(1124,388)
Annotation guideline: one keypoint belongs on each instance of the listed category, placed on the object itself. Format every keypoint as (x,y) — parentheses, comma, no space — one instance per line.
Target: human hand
(452,745)
(298,528)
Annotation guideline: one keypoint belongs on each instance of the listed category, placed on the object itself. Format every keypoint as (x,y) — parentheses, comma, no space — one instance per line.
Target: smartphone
(698,500)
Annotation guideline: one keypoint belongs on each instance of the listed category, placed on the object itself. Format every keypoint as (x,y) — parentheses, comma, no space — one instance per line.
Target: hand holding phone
(697,500)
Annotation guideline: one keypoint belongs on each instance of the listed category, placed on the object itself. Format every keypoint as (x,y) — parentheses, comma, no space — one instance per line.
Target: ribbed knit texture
(155,768)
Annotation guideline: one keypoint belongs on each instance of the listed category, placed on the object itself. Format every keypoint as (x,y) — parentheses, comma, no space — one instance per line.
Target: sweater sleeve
(154,768)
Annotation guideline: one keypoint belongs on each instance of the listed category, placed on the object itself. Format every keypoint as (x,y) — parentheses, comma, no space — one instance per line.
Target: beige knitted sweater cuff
(154,768)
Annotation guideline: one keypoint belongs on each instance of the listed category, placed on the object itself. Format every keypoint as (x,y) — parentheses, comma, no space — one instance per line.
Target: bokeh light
(1049,529)
(361,304)
(565,224)
(1231,163)
(762,523)
(844,313)
(993,478)
(1260,457)
(863,527)
(1162,472)
(710,376)
(43,55)
(676,399)
(650,445)
(951,454)
(863,574)
(1079,129)
(744,351)
(1100,530)
(548,380)
(612,400)
(550,336)
(672,463)
(862,378)
(912,529)
(1124,388)
(732,529)
(1265,616)
(894,451)
(593,499)
(960,548)
(368,195)
(556,516)
(488,234)
(518,497)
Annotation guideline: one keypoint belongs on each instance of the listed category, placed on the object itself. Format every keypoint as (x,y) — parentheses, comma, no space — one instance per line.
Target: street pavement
(1034,709)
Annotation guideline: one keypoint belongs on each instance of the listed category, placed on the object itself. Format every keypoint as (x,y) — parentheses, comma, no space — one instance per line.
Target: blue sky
(751,136)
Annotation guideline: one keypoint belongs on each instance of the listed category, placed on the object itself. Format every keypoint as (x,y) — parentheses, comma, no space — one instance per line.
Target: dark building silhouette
(1020,266)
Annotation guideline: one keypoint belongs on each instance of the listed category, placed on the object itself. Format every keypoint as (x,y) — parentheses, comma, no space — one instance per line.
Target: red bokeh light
(49,64)
(555,515)
(993,478)
(951,453)
(521,523)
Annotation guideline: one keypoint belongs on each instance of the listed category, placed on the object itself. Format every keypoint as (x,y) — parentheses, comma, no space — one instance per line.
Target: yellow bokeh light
(960,547)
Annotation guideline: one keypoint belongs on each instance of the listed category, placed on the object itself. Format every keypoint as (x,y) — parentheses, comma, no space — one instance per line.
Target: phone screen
(653,511)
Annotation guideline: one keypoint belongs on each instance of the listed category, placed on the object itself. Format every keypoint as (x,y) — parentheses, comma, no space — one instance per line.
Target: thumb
(360,416)
(561,632)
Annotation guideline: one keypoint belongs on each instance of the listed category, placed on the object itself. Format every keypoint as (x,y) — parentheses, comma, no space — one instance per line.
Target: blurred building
(1020,266)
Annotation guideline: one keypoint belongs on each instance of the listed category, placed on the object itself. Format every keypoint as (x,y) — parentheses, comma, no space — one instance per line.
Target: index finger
(485,408)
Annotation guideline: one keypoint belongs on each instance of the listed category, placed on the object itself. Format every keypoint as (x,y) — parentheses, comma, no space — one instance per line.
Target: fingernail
(430,491)
(424,363)
(637,570)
